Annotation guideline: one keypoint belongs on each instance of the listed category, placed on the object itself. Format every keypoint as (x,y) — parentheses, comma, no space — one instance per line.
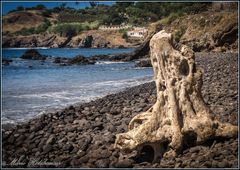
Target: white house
(137,32)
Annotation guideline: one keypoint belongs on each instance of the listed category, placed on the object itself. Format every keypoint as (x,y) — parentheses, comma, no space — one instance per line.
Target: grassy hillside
(206,31)
(39,19)
(18,20)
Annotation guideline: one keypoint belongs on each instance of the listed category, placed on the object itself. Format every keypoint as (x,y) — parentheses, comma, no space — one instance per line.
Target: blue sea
(46,87)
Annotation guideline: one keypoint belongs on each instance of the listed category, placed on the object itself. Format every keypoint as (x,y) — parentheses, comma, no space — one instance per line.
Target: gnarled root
(180,115)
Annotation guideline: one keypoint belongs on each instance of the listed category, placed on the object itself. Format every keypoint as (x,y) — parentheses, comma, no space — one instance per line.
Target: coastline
(83,135)
(9,126)
(23,48)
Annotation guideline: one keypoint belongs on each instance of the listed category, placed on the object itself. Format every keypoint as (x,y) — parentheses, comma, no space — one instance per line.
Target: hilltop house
(137,32)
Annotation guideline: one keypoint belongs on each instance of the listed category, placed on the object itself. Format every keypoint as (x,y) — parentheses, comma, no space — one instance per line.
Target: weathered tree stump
(180,116)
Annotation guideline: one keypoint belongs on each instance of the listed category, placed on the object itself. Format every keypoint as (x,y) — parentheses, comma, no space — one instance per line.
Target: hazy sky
(8,6)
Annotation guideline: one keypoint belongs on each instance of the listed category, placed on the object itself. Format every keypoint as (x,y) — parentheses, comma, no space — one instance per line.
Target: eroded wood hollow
(180,116)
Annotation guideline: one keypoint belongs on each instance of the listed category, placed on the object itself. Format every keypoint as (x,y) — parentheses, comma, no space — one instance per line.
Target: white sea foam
(110,62)
(5,120)
(58,95)
(25,48)
(60,100)
(140,68)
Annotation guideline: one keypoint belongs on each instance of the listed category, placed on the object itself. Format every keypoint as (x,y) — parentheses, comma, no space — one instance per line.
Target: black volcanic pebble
(47,148)
(102,163)
(126,163)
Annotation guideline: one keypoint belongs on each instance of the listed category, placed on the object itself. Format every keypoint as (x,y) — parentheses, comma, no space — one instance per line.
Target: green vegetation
(39,7)
(144,12)
(121,12)
(21,8)
(41,28)
(72,29)
(25,31)
(123,31)
(169,19)
(72,21)
(125,36)
(46,13)
(178,34)
(67,29)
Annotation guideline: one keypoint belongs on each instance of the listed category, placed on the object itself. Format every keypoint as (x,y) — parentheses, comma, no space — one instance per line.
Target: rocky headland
(83,135)
(88,39)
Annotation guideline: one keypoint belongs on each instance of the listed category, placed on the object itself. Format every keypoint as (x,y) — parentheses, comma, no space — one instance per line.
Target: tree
(124,4)
(20,8)
(56,9)
(93,3)
(114,18)
(180,116)
(40,7)
(62,6)
(47,13)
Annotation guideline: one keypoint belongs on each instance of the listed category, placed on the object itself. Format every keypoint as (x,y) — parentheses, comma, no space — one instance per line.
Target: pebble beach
(83,135)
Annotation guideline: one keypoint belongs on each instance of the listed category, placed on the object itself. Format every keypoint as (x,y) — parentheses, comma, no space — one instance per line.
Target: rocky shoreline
(88,39)
(83,135)
(137,54)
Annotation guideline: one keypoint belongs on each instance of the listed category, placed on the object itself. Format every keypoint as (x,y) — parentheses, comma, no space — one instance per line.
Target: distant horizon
(9,6)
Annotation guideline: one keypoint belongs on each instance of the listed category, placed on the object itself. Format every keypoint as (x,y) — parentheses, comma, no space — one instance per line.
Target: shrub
(196,7)
(47,13)
(41,28)
(39,7)
(25,31)
(178,34)
(55,22)
(67,29)
(74,28)
(90,25)
(19,8)
(114,18)
(125,36)
(124,30)
(171,18)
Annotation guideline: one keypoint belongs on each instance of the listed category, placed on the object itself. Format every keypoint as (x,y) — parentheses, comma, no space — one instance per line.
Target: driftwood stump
(180,116)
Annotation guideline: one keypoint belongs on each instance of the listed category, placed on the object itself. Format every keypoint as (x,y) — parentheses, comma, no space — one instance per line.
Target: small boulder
(50,139)
(102,163)
(100,57)
(33,55)
(80,60)
(47,148)
(68,147)
(144,63)
(59,60)
(125,163)
(6,62)
(84,143)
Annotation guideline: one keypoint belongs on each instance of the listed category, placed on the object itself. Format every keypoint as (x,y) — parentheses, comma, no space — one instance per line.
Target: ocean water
(46,87)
